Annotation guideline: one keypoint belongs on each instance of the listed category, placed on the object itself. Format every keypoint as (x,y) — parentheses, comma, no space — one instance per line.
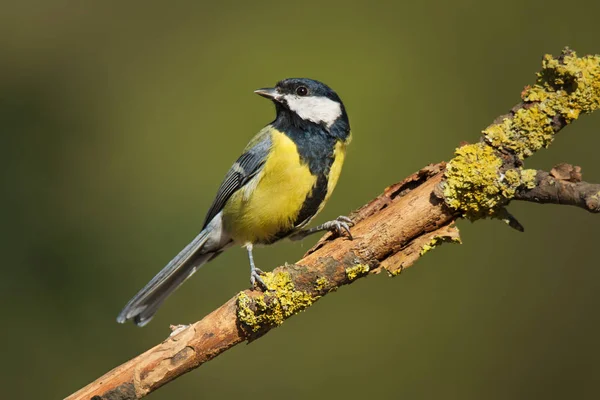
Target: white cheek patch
(318,109)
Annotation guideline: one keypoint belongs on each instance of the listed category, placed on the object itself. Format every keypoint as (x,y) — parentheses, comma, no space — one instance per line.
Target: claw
(255,278)
(346,228)
(338,227)
(342,224)
(343,218)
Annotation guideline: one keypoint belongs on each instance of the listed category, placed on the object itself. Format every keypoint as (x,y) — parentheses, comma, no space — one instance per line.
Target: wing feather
(243,170)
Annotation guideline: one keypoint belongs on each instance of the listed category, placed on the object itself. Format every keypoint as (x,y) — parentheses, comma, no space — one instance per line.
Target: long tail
(143,305)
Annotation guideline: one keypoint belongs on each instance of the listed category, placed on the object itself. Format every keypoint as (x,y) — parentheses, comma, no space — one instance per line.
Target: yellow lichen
(275,306)
(528,178)
(528,131)
(429,246)
(575,79)
(535,93)
(512,180)
(565,88)
(321,284)
(438,240)
(357,271)
(244,312)
(474,184)
(498,135)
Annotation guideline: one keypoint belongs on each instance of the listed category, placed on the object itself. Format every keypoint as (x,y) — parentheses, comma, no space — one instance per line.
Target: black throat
(315,141)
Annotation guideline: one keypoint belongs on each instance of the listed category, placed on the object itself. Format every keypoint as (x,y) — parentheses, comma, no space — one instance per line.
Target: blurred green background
(119,119)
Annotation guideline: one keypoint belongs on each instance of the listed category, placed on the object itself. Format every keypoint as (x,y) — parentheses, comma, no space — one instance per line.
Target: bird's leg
(254,272)
(339,225)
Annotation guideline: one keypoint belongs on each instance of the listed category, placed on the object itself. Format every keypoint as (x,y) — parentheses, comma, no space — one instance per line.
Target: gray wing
(143,305)
(243,170)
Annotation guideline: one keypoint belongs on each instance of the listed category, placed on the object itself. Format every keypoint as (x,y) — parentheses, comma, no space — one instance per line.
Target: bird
(281,181)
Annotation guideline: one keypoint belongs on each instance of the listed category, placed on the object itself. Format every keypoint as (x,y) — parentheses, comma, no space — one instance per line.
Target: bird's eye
(302,91)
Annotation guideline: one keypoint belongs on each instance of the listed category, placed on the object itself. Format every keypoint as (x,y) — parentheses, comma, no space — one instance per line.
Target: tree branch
(563,185)
(395,229)
(383,231)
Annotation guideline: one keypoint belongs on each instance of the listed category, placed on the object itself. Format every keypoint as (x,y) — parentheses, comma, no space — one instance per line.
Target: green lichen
(474,185)
(438,240)
(273,307)
(357,271)
(566,87)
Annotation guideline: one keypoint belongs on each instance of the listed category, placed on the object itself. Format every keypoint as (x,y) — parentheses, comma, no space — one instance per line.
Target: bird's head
(308,99)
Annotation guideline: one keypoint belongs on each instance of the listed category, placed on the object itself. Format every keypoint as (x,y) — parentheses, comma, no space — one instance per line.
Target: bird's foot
(257,280)
(339,225)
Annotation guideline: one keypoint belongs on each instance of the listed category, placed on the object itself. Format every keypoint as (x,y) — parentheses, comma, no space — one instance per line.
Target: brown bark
(563,185)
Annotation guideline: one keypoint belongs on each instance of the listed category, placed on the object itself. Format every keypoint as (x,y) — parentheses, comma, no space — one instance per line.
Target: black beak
(269,93)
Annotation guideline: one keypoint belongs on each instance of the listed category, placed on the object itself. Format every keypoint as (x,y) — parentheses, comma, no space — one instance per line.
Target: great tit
(280,182)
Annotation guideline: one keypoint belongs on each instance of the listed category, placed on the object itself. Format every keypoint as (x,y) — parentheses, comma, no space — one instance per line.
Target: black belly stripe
(313,201)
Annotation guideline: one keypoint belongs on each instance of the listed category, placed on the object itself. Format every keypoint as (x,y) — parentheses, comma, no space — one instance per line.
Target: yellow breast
(339,154)
(273,199)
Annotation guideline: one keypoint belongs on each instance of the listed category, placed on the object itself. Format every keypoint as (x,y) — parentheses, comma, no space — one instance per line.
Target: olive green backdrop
(119,119)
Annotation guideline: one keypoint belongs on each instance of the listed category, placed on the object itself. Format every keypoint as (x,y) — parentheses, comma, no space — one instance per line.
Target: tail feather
(143,305)
(152,304)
